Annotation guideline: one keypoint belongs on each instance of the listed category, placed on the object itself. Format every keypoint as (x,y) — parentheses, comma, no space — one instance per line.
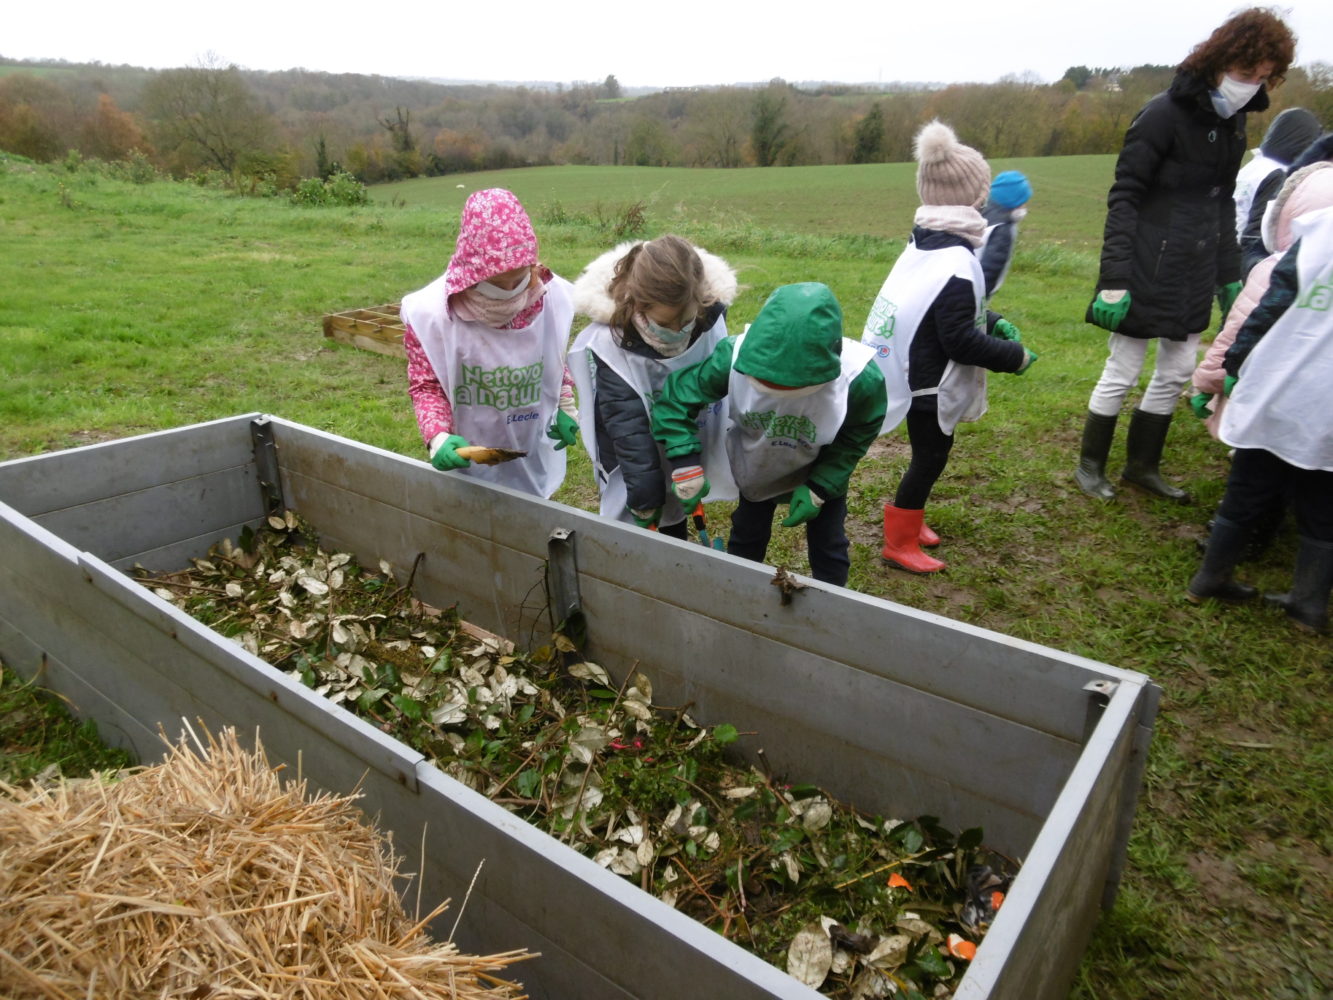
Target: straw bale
(206,877)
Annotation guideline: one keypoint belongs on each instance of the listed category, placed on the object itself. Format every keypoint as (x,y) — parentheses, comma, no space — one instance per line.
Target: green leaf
(410,707)
(932,962)
(970,840)
(525,713)
(911,838)
(725,733)
(371,698)
(443,663)
(527,783)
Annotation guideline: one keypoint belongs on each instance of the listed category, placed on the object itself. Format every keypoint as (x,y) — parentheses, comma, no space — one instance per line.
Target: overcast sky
(661,43)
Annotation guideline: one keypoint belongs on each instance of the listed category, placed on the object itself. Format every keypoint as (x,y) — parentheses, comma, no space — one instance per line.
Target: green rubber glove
(1226,296)
(1228,384)
(564,429)
(1109,308)
(689,484)
(1027,362)
(804,507)
(645,518)
(1006,331)
(446,457)
(1199,404)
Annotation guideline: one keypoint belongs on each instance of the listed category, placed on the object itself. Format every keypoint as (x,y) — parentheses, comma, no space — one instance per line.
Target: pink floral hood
(495,235)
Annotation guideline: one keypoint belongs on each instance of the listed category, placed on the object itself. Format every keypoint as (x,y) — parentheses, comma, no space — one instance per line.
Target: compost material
(205,877)
(855,905)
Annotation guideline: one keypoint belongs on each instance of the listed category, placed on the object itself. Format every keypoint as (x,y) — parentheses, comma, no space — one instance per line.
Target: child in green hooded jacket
(804,406)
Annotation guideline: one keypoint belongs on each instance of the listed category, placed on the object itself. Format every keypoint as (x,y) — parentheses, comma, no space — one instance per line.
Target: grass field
(126,309)
(875,199)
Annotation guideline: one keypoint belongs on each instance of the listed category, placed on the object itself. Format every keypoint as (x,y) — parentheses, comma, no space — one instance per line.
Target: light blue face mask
(665,335)
(1230,95)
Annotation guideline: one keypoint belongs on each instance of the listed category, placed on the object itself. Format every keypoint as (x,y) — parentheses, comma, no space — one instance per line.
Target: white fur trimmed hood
(592,298)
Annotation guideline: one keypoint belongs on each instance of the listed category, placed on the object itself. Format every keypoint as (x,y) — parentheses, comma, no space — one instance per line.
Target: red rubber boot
(902,541)
(928,538)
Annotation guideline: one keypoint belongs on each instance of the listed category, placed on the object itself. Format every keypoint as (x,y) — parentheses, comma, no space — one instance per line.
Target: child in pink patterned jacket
(486,345)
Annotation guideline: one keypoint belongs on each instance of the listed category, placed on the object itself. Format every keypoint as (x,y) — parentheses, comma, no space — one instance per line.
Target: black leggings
(930,454)
(1259,478)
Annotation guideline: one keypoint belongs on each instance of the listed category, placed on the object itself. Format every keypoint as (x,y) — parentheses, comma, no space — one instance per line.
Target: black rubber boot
(1143,455)
(1306,603)
(1226,542)
(1091,472)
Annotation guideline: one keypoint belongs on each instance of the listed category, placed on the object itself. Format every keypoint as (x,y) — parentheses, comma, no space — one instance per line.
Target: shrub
(341,189)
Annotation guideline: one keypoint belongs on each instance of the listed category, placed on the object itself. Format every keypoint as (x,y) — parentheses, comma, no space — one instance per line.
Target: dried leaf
(451,713)
(792,866)
(889,952)
(872,985)
(312,586)
(587,671)
(638,709)
(810,956)
(816,815)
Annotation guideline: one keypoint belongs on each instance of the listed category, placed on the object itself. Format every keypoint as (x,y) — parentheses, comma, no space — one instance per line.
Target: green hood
(796,340)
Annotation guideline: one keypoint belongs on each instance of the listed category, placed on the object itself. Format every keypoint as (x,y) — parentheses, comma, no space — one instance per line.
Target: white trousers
(1176,360)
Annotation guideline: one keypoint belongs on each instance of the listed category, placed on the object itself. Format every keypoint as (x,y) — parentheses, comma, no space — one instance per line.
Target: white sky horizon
(702,44)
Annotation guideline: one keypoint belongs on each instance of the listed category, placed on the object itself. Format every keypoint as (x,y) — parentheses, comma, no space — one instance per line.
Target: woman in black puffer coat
(1170,239)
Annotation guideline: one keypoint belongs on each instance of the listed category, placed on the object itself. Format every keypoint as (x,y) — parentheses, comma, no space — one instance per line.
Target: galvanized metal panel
(177,554)
(44,483)
(1033,948)
(124,526)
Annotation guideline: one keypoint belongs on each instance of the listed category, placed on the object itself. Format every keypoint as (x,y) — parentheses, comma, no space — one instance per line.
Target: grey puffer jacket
(1170,235)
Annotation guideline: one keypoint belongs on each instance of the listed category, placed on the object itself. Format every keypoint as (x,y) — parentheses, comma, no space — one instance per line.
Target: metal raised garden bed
(897,711)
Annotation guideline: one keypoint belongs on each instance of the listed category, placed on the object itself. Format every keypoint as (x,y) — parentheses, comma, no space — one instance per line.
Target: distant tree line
(216,118)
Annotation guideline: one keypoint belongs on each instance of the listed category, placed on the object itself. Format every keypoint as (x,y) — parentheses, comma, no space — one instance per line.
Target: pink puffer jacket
(1304,191)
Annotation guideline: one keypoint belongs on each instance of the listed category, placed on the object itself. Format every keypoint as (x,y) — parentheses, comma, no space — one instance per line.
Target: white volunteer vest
(1247,185)
(1281,402)
(908,292)
(503,385)
(775,436)
(646,376)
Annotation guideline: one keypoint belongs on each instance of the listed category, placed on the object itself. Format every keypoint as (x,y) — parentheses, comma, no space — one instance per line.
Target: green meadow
(128,308)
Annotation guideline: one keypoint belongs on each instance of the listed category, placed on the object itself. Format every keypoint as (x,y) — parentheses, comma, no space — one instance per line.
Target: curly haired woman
(1170,240)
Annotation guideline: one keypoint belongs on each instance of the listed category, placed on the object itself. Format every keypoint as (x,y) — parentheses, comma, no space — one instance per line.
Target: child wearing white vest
(1278,419)
(933,337)
(804,406)
(486,347)
(656,307)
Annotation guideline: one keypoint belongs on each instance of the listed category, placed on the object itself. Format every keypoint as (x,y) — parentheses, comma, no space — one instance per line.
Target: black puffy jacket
(1170,221)
(624,428)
